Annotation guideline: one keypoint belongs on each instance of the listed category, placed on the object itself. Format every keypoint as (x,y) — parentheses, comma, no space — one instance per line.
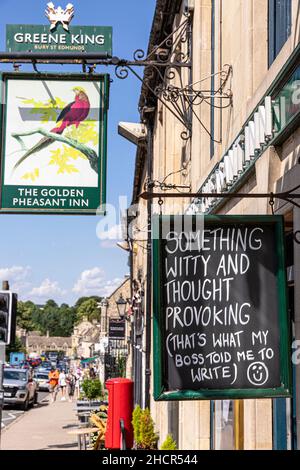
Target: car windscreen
(41,376)
(15,375)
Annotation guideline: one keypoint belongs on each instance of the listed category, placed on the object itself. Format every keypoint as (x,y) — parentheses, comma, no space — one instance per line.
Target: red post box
(120,407)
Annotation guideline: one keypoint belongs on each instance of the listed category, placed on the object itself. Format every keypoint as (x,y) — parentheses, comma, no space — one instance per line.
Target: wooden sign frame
(160,391)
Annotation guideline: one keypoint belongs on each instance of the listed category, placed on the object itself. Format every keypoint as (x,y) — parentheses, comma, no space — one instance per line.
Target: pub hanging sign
(220,308)
(53,156)
(59,36)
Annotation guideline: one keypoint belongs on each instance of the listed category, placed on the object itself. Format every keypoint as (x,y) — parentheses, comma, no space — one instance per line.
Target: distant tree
(67,319)
(80,301)
(47,318)
(50,304)
(25,315)
(90,309)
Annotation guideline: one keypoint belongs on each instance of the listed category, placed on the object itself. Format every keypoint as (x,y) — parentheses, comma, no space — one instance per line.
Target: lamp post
(121,305)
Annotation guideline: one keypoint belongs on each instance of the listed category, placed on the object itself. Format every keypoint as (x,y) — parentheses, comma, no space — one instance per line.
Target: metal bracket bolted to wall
(163,65)
(287,196)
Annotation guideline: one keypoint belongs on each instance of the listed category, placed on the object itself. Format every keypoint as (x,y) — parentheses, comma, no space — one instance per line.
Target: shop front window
(224,425)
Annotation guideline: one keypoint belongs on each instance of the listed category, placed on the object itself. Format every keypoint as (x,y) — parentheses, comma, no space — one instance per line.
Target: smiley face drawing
(257,374)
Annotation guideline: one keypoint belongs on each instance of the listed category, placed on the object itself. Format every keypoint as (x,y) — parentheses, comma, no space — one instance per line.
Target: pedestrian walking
(71,384)
(62,382)
(53,377)
(78,382)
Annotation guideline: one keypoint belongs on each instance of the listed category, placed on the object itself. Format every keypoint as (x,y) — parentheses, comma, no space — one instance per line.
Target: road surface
(11,413)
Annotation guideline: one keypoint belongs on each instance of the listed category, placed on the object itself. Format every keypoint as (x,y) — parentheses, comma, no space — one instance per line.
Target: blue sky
(61,257)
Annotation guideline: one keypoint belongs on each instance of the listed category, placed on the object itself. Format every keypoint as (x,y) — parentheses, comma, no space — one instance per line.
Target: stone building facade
(36,343)
(245,58)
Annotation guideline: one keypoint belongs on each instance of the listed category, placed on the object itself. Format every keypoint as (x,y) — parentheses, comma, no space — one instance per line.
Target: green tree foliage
(169,443)
(92,388)
(136,424)
(58,321)
(89,309)
(83,299)
(148,437)
(55,319)
(25,315)
(121,365)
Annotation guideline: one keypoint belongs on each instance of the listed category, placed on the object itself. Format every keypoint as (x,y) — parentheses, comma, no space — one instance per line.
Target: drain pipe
(149,262)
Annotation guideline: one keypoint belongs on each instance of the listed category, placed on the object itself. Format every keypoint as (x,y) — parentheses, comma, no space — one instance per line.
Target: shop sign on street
(116,329)
(59,35)
(221,325)
(53,153)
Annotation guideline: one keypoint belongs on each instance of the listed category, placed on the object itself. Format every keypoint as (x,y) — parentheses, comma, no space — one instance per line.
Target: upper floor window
(280,22)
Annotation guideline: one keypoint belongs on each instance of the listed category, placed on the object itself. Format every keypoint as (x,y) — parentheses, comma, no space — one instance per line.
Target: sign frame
(104,81)
(114,322)
(159,391)
(64,39)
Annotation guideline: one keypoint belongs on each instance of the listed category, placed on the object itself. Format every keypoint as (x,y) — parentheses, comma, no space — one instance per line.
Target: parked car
(19,387)
(41,377)
(44,367)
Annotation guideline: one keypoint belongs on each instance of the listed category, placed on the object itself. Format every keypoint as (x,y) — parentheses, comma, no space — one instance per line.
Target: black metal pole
(5,286)
(48,57)
(149,270)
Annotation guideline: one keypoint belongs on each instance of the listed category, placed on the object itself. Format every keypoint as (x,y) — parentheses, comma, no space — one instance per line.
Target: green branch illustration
(89,153)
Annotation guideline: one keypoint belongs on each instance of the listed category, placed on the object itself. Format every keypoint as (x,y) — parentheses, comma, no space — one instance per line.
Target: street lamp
(121,305)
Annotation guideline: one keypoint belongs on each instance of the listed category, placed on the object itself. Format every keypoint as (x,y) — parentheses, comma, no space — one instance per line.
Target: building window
(223,425)
(280,23)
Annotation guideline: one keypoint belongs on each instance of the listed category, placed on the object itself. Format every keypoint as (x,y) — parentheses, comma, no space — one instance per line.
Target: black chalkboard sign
(116,329)
(220,308)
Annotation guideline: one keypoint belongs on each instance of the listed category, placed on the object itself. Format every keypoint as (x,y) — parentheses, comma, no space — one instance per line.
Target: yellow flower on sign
(32,175)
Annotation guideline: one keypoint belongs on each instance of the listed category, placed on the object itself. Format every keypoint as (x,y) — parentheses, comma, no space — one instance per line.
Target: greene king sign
(59,36)
(38,38)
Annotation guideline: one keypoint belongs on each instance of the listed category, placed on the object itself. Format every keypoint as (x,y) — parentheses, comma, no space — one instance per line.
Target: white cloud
(14,273)
(108,244)
(93,282)
(47,289)
(113,233)
(110,286)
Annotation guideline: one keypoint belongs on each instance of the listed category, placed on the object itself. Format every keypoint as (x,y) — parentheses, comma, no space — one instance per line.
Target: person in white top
(62,382)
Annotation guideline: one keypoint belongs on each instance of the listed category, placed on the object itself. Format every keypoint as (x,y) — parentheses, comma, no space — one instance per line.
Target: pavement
(45,427)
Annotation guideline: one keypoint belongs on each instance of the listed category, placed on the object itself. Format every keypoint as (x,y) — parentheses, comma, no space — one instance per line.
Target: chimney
(5,285)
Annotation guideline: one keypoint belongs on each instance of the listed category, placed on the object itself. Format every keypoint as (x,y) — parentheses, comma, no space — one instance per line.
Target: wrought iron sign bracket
(287,196)
(163,65)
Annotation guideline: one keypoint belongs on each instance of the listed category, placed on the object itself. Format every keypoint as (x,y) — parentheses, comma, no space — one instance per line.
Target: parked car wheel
(25,405)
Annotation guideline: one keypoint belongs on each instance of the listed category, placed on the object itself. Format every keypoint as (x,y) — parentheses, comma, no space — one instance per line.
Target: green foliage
(92,388)
(83,299)
(89,309)
(121,365)
(136,423)
(58,320)
(25,314)
(169,443)
(143,428)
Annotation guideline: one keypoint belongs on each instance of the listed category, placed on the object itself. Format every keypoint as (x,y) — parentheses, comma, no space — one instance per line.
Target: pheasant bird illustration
(73,114)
